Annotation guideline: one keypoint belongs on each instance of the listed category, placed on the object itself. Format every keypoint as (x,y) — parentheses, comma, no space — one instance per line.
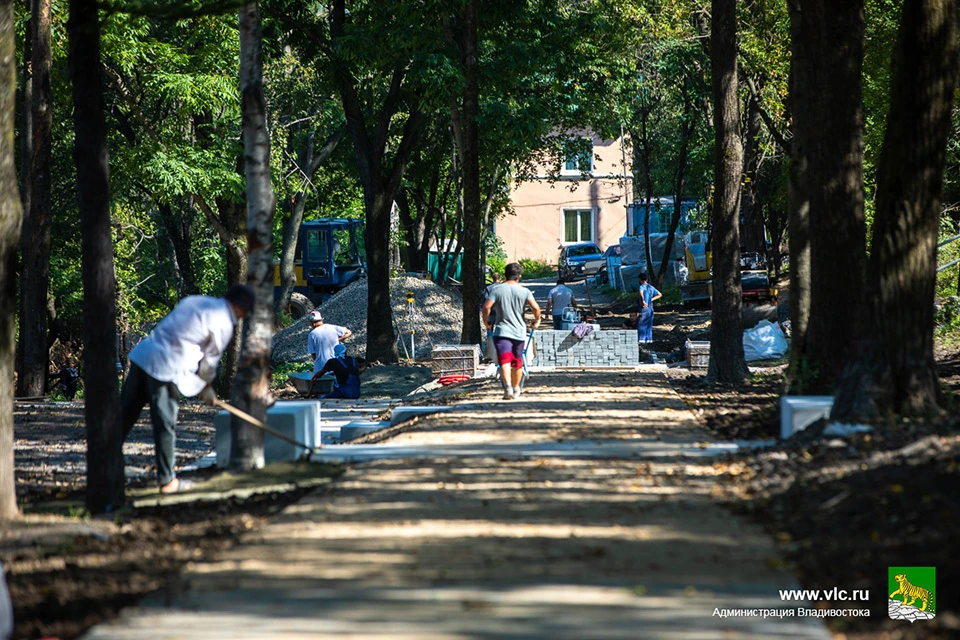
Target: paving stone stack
(596,349)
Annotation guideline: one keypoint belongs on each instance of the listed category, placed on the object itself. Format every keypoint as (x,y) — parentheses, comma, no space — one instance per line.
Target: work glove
(208,395)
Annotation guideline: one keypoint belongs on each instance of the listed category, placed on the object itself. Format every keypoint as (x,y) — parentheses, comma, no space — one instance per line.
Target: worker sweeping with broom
(180,356)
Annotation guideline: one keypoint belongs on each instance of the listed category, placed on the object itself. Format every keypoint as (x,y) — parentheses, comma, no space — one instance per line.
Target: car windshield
(749,280)
(584,250)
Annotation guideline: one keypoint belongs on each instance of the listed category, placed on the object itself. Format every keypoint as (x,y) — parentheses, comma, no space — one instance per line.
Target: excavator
(696,288)
(329,256)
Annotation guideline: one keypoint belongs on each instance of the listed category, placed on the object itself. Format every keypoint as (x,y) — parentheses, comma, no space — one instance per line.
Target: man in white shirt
(559,298)
(323,339)
(180,356)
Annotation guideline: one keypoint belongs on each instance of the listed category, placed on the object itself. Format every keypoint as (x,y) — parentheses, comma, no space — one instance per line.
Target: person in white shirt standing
(180,356)
(323,339)
(559,298)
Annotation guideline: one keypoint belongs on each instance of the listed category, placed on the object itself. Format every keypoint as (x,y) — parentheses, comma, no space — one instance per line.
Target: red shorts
(509,351)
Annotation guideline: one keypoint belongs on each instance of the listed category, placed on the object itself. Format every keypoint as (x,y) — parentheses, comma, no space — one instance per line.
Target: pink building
(571,209)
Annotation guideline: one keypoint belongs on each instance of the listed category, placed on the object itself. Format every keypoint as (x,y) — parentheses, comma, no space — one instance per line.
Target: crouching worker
(347,372)
(180,356)
(510,330)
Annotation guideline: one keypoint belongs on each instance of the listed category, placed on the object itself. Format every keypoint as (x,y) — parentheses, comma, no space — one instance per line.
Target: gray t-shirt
(509,301)
(560,297)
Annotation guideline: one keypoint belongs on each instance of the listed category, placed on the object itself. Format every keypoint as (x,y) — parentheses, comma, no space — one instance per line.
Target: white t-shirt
(321,342)
(560,297)
(199,328)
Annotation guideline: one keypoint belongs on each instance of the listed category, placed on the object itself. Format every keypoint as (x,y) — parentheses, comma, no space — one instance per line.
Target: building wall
(537,228)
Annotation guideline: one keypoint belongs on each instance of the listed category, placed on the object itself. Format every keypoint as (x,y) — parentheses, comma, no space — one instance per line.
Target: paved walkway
(516,544)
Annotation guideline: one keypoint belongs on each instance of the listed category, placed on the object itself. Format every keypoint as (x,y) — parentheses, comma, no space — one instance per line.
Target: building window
(578,157)
(578,225)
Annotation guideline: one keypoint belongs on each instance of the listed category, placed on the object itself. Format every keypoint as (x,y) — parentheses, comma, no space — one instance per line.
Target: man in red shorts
(509,301)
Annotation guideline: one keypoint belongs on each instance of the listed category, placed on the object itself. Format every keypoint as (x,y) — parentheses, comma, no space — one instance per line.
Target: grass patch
(533,268)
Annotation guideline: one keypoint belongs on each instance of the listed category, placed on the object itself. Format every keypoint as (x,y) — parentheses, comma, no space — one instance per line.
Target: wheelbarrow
(307,387)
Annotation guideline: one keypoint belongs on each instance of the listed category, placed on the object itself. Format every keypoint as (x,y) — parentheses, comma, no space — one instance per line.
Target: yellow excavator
(697,286)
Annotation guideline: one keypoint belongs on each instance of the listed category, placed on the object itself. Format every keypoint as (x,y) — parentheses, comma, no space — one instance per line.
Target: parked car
(613,251)
(756,288)
(579,260)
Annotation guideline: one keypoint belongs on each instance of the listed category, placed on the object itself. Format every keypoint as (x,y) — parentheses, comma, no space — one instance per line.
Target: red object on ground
(445,380)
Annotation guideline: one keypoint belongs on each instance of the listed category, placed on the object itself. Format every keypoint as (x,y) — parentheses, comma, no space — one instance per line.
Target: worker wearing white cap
(323,339)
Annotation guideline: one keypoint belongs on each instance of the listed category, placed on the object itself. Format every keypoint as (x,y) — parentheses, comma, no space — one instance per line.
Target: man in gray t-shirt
(510,332)
(559,298)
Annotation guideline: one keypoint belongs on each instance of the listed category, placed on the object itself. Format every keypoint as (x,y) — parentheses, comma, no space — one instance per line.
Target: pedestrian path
(612,535)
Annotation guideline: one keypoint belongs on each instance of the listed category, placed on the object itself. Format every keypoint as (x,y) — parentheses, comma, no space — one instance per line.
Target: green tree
(894,371)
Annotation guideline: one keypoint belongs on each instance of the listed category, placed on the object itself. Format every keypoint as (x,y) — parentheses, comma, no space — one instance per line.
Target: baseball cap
(339,350)
(315,316)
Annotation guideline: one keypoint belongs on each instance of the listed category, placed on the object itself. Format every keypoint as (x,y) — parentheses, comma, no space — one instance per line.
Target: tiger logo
(911,593)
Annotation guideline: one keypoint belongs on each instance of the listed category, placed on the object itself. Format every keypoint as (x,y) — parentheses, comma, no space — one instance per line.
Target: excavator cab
(328,257)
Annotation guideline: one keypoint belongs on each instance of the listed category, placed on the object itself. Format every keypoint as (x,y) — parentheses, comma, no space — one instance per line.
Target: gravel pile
(438,318)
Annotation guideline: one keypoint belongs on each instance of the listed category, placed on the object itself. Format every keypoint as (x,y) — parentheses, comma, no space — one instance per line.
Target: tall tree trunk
(251,386)
(180,230)
(10,218)
(25,146)
(35,268)
(903,258)
(752,234)
(646,155)
(679,178)
(229,223)
(726,336)
(415,216)
(470,274)
(827,105)
(105,478)
(26,111)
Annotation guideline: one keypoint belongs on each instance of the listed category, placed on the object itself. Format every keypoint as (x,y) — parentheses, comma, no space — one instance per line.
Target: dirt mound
(437,319)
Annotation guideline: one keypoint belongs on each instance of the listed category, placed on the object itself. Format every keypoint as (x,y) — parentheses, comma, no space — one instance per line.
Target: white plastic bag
(763,342)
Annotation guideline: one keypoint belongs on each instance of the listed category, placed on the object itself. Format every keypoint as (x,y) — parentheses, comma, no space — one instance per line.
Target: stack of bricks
(597,349)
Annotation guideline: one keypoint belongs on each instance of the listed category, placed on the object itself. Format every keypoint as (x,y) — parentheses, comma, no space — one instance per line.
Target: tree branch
(767,120)
(386,112)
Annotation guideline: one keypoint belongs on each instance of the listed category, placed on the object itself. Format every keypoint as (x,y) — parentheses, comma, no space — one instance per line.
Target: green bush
(671,294)
(533,268)
(496,257)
